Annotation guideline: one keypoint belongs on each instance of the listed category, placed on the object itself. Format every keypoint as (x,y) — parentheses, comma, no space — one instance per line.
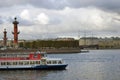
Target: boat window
(20,63)
(59,62)
(2,63)
(37,62)
(26,63)
(8,63)
(32,62)
(48,62)
(54,62)
(35,55)
(43,60)
(14,63)
(42,55)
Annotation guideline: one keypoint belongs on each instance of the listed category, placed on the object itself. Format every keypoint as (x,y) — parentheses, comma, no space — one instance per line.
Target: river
(94,65)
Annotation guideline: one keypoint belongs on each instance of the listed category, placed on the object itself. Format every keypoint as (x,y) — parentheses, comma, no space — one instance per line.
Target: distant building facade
(65,39)
(88,41)
(100,42)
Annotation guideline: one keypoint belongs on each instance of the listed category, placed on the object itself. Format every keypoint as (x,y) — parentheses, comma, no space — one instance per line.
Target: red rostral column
(15,33)
(5,38)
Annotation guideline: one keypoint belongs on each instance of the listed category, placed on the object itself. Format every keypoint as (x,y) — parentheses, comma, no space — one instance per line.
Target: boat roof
(54,59)
(37,52)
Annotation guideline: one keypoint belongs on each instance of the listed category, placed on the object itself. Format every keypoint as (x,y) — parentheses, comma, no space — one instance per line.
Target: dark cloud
(60,4)
(49,4)
(23,22)
(63,17)
(1,22)
(10,19)
(26,23)
(7,3)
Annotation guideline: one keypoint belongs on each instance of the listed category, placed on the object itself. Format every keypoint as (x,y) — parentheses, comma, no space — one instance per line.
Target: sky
(45,19)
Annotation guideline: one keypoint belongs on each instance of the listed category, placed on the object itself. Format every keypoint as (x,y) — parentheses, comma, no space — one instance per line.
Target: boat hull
(39,67)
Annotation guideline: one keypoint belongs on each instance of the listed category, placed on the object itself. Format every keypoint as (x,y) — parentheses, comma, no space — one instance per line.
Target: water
(94,65)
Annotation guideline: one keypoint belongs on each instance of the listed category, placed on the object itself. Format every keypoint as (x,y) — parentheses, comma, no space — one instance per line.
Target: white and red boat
(32,61)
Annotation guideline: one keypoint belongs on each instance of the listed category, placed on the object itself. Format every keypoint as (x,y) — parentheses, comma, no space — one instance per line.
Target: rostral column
(15,33)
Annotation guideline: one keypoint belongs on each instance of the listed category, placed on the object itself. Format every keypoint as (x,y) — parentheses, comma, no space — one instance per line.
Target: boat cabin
(54,61)
(30,56)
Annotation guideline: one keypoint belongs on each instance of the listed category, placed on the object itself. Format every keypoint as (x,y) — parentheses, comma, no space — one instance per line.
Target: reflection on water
(28,74)
(95,65)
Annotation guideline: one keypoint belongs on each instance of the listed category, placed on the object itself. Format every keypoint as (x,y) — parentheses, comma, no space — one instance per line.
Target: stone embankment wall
(74,50)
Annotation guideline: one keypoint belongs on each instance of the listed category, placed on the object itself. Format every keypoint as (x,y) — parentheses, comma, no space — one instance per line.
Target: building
(65,39)
(88,41)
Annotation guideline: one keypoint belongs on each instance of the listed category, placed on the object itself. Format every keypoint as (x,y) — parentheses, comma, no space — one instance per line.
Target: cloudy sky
(42,19)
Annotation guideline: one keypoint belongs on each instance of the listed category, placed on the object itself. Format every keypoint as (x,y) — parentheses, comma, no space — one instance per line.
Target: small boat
(32,61)
(84,51)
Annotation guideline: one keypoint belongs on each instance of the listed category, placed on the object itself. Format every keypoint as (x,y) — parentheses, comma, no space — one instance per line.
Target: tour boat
(32,61)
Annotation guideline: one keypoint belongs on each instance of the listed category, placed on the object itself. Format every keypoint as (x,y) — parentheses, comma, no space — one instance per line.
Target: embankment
(49,51)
